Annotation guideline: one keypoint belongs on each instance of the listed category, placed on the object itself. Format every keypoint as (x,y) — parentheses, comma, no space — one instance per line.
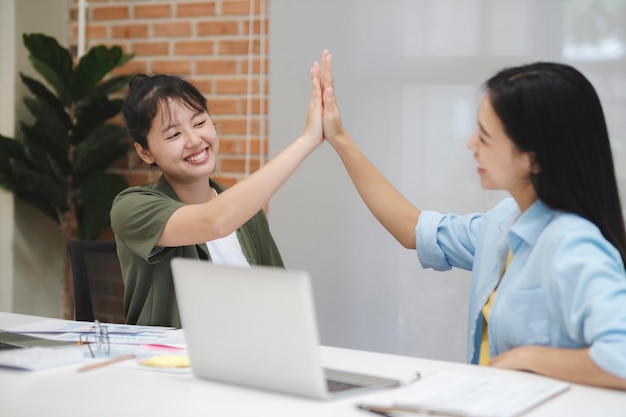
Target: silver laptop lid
(250,326)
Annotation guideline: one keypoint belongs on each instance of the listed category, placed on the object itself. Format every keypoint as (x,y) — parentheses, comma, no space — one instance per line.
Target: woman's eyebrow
(173,125)
(199,113)
(483,130)
(169,126)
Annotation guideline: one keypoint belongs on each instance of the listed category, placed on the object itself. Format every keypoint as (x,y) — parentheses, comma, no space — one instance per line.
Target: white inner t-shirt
(227,251)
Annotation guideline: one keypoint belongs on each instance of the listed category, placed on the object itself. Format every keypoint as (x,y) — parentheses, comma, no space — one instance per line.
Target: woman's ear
(534,165)
(144,154)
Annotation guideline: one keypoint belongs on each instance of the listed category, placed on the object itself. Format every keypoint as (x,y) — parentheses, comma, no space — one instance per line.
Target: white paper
(474,396)
(58,329)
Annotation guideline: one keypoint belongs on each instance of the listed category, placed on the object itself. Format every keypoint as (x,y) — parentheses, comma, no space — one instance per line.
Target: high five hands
(323,119)
(331,119)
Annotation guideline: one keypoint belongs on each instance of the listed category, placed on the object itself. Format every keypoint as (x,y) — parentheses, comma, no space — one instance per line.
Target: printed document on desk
(468,395)
(59,329)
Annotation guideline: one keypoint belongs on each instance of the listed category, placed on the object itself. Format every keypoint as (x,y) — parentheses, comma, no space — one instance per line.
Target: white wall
(31,271)
(7,116)
(407,77)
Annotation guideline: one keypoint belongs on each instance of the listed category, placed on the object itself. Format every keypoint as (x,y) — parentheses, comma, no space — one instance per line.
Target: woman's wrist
(310,142)
(341,142)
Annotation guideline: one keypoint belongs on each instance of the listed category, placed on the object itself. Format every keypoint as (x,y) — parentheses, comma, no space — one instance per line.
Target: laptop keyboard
(336,386)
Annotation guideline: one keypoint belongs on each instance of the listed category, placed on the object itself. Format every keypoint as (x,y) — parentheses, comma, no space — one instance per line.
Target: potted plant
(59,162)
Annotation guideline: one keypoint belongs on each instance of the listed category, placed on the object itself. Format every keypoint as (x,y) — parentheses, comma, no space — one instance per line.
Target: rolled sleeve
(429,252)
(138,217)
(446,241)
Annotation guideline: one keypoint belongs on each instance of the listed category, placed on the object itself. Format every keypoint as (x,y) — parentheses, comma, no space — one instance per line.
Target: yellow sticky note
(166,361)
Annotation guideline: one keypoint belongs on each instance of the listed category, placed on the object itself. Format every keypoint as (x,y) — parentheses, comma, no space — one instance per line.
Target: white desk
(120,390)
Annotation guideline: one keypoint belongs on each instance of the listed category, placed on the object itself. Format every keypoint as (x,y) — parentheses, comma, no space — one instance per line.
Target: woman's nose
(193,139)
(472,141)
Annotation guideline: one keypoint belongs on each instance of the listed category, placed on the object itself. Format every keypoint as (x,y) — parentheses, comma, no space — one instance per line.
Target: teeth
(197,157)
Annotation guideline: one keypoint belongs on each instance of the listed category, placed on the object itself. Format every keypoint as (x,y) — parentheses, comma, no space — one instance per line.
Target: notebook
(256,327)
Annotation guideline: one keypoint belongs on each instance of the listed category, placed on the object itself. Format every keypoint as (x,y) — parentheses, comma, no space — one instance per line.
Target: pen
(106,362)
(382,411)
(396,409)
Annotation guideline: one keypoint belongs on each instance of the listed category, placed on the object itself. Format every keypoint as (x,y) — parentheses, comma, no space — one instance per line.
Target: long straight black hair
(553,112)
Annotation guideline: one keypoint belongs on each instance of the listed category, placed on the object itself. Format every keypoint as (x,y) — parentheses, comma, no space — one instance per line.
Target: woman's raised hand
(313,129)
(331,118)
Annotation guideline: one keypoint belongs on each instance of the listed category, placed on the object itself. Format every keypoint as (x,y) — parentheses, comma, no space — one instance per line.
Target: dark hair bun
(137,80)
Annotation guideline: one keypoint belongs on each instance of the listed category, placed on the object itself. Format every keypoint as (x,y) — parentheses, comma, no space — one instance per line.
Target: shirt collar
(529,225)
(163,186)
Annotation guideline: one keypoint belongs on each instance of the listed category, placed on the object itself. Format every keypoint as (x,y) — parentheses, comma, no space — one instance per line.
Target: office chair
(98,286)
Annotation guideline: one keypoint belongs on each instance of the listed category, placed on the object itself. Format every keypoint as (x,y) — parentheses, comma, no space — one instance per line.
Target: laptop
(14,340)
(256,327)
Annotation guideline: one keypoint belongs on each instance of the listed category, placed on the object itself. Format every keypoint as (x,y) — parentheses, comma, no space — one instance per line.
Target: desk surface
(126,391)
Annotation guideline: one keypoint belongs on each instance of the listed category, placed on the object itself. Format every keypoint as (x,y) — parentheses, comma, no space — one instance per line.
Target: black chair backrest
(98,285)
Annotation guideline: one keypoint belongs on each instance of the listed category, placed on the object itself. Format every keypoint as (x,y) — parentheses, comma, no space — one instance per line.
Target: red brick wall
(205,41)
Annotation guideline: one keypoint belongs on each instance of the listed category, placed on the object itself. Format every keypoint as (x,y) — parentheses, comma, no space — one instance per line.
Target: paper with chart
(118,333)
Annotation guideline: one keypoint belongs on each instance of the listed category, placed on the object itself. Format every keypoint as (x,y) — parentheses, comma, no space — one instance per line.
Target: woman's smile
(198,157)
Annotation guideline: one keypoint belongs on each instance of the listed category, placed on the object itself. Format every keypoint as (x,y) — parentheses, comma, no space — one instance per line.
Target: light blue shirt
(565,287)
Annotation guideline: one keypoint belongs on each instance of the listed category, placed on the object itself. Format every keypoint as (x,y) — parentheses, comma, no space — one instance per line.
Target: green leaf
(11,153)
(46,142)
(49,136)
(36,186)
(47,118)
(125,58)
(6,180)
(92,68)
(105,145)
(52,62)
(12,149)
(93,113)
(94,200)
(39,202)
(112,85)
(40,90)
(37,156)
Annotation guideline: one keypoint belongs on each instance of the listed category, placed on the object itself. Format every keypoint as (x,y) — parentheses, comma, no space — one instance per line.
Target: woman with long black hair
(548,291)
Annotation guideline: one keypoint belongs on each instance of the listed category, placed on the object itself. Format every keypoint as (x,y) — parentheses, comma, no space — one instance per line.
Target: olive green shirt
(138,217)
